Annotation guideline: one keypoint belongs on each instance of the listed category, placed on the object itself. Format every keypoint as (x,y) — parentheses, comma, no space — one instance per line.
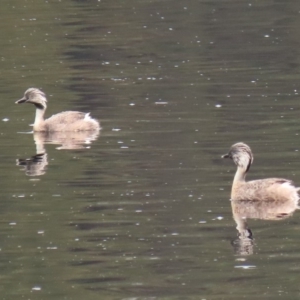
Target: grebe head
(34,96)
(241,155)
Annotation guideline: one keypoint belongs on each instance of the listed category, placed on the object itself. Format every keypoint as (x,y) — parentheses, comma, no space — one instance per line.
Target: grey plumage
(64,121)
(269,189)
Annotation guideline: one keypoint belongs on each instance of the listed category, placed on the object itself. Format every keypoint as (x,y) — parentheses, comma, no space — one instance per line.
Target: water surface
(143,210)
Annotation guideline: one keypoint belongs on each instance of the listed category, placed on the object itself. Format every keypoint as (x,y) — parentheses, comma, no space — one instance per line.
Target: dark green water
(143,211)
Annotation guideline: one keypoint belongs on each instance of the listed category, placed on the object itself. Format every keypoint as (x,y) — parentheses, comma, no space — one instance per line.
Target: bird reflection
(36,165)
(264,210)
